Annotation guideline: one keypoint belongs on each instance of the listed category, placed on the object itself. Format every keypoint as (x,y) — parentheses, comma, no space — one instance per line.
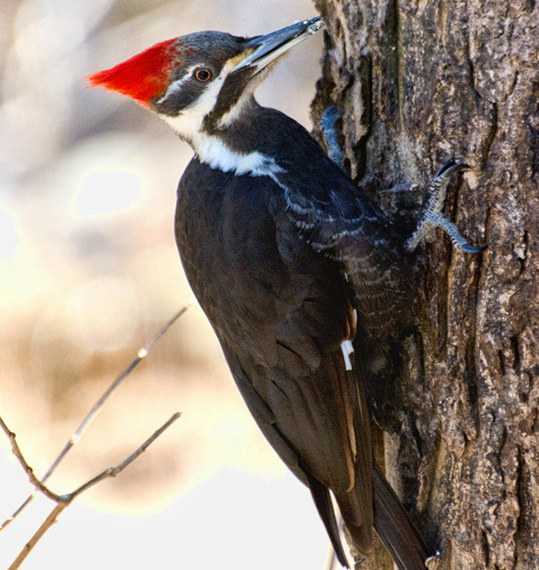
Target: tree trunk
(417,84)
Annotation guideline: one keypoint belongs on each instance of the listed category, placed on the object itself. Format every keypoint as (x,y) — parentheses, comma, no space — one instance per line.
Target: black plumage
(275,263)
(303,279)
(281,311)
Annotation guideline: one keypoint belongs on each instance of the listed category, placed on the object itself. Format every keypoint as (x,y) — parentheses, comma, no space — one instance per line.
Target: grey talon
(327,123)
(433,218)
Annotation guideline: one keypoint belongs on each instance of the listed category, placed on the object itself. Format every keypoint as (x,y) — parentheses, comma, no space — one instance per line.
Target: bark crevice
(417,85)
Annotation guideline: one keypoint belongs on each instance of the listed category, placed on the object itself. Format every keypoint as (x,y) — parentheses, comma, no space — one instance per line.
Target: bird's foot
(327,124)
(433,216)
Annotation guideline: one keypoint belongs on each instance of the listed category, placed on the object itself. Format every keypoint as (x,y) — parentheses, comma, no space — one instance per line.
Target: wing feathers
(342,224)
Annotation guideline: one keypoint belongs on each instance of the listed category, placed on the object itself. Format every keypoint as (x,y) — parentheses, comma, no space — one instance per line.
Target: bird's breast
(248,266)
(226,237)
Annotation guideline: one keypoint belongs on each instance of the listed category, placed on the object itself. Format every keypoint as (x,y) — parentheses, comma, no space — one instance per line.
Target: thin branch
(64,501)
(142,353)
(29,546)
(29,470)
(113,471)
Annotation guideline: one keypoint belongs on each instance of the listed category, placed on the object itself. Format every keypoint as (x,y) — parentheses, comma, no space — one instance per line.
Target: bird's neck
(226,146)
(217,153)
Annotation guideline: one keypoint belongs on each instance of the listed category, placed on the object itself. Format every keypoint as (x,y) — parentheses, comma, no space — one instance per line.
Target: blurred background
(89,272)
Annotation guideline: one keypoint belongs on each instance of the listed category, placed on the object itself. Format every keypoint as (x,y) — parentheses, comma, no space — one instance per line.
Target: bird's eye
(203,75)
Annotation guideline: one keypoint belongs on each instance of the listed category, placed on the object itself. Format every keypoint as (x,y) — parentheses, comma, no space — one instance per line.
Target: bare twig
(47,523)
(64,501)
(113,471)
(29,471)
(331,560)
(142,353)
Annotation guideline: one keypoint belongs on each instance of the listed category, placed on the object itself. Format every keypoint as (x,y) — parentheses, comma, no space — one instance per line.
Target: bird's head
(200,83)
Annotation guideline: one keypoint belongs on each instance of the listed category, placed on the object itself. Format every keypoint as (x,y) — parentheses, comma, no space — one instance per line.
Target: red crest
(141,77)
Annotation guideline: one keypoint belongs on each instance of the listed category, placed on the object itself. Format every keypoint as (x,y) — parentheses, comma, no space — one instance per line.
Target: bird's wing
(318,424)
(318,410)
(288,311)
(282,311)
(340,222)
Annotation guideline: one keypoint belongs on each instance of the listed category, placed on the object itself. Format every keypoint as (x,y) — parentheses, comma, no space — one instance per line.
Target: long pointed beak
(269,47)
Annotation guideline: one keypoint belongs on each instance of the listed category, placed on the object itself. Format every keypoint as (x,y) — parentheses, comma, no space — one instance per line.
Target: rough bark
(419,83)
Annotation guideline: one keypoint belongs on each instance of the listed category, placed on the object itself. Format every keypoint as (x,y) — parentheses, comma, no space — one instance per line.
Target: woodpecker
(300,275)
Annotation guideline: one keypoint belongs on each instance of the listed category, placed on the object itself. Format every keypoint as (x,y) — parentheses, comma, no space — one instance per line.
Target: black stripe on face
(208,50)
(180,97)
(231,91)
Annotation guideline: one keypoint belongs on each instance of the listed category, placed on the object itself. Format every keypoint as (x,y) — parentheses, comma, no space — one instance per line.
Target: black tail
(322,500)
(395,528)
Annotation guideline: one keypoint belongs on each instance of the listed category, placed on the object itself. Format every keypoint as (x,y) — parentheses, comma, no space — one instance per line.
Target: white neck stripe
(215,153)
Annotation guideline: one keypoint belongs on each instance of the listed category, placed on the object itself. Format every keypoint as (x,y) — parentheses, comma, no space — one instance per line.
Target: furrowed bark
(417,84)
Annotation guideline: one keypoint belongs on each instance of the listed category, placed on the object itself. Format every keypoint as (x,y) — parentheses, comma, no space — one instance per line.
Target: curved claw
(433,216)
(472,249)
(331,114)
(450,167)
(327,122)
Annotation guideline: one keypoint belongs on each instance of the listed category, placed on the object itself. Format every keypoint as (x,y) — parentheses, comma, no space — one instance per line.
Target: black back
(273,261)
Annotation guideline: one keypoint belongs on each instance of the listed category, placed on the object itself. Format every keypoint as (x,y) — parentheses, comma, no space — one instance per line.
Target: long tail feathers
(391,523)
(395,528)
(322,500)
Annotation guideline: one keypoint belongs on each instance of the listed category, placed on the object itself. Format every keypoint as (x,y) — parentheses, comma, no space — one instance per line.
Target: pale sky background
(89,271)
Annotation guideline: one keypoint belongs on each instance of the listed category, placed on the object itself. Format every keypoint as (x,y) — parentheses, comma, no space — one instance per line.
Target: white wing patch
(347,348)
